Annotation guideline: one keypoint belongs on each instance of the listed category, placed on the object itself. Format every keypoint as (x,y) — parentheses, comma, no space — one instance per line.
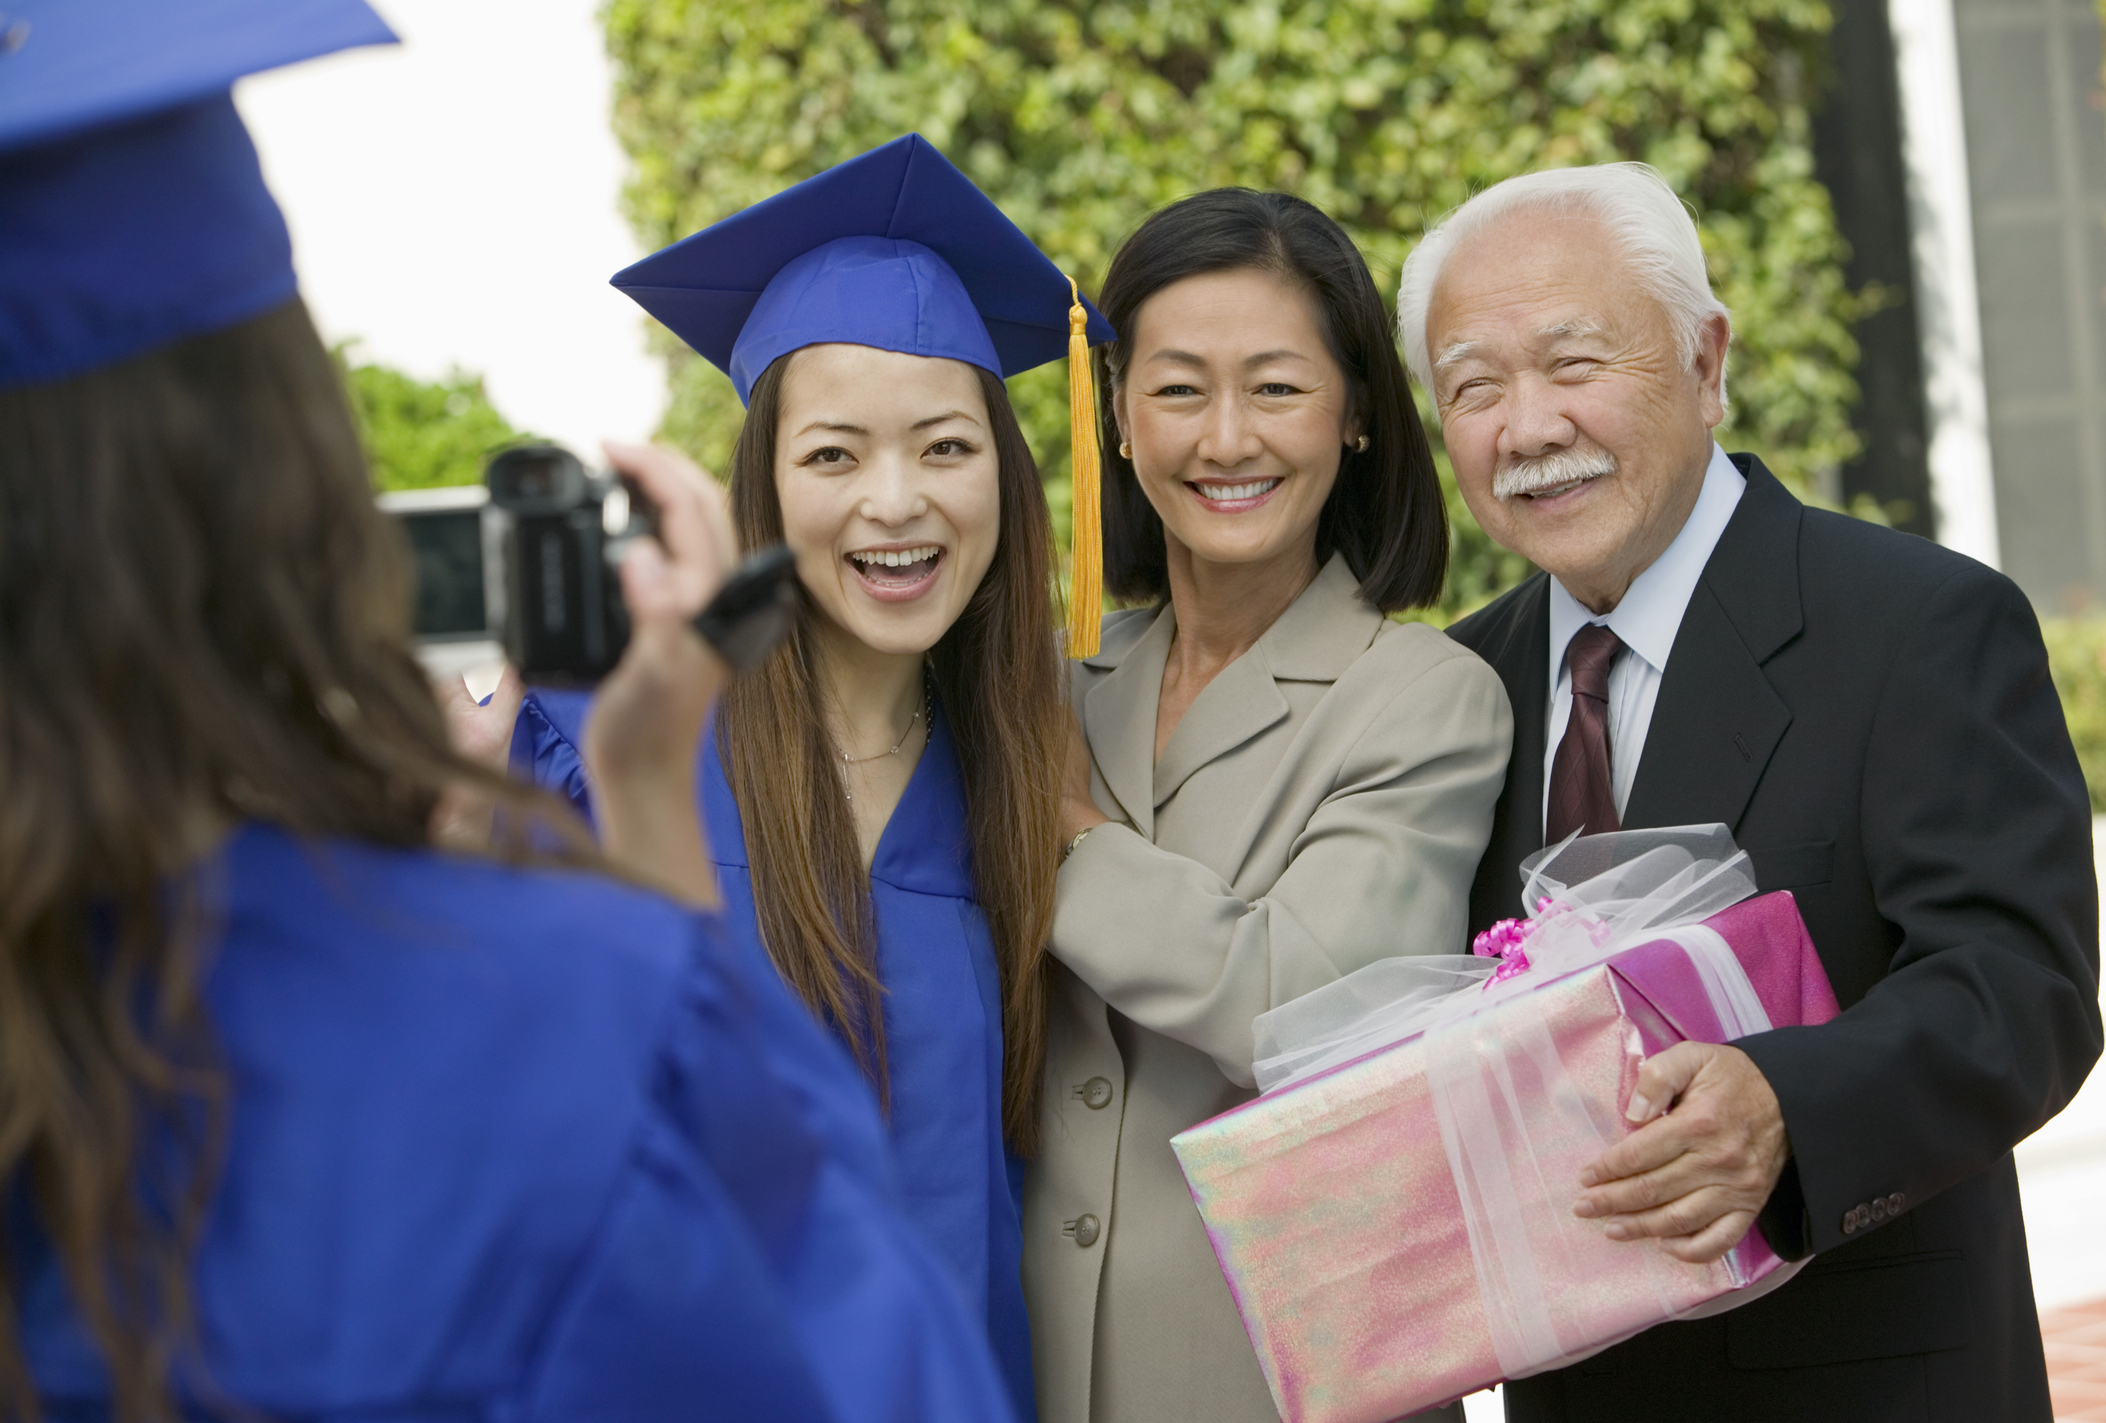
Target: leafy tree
(422,434)
(1080,116)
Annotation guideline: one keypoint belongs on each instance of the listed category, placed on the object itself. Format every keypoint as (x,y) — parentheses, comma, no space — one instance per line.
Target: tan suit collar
(1315,640)
(1324,630)
(1118,714)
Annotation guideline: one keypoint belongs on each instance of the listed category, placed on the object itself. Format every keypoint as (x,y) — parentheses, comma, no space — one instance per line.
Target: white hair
(1631,201)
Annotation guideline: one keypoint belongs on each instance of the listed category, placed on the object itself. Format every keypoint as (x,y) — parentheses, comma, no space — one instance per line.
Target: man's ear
(1714,337)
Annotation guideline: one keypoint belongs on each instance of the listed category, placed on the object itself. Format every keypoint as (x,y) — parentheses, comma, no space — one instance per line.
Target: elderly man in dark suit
(1872,716)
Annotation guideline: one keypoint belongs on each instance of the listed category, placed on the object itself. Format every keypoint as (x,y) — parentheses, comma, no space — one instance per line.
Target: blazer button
(1082,1230)
(1879,1210)
(1850,1220)
(1896,1204)
(1096,1094)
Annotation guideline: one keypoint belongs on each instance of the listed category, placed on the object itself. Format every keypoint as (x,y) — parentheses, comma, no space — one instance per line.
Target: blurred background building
(1964,145)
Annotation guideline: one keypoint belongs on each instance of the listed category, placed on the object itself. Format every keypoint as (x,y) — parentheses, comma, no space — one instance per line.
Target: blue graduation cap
(133,210)
(894,249)
(898,250)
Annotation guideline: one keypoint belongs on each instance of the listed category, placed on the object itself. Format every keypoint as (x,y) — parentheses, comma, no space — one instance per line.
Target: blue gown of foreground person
(530,1145)
(943,1014)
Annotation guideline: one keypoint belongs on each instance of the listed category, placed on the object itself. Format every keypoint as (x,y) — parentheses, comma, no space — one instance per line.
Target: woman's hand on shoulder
(1078,810)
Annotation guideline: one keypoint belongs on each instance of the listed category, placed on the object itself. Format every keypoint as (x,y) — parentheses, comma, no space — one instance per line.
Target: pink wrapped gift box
(1340,1226)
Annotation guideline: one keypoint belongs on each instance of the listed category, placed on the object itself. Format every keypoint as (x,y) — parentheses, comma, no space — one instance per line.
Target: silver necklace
(893,750)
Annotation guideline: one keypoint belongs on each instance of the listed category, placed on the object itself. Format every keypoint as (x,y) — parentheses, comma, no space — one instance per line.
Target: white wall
(453,200)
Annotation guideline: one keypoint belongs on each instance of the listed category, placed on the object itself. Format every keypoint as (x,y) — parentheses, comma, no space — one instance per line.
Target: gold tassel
(1086,568)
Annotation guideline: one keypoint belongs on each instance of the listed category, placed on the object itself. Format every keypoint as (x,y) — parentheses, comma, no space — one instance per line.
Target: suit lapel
(1119,717)
(1315,640)
(1714,726)
(1522,658)
(1241,702)
(1519,650)
(1717,719)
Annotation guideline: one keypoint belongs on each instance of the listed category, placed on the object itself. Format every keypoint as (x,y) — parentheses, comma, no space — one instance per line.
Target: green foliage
(422,434)
(2077,659)
(1081,117)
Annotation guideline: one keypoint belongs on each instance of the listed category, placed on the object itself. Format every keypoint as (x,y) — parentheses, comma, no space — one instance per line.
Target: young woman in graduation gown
(300,1115)
(883,795)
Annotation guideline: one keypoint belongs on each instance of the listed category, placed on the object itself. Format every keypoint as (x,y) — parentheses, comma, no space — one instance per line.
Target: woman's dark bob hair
(1385,513)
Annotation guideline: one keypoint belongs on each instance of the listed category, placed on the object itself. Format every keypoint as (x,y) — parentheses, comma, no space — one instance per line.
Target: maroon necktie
(1582,796)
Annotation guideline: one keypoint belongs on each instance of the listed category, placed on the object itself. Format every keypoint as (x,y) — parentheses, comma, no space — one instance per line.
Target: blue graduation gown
(943,1016)
(530,1145)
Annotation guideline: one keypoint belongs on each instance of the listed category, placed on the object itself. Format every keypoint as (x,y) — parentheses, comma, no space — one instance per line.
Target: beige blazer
(1322,805)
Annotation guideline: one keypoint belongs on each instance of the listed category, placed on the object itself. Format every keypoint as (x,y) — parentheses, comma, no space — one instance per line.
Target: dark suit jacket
(1871,714)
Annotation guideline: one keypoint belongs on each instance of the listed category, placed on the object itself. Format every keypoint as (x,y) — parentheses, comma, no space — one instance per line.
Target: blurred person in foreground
(301,1115)
(1872,717)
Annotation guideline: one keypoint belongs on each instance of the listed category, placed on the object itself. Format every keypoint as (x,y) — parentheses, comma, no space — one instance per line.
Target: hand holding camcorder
(532,560)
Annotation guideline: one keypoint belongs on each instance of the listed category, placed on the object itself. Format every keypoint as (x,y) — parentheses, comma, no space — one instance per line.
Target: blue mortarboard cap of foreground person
(133,210)
(895,249)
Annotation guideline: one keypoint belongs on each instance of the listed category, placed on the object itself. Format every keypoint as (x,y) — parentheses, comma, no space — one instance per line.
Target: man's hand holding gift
(1709,1148)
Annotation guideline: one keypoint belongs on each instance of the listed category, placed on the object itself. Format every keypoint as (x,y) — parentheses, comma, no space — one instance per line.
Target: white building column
(1948,313)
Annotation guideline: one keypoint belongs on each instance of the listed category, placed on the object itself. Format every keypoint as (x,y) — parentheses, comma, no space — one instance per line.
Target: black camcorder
(530,559)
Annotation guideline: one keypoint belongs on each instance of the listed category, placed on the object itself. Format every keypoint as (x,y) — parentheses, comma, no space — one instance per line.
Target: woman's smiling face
(890,489)
(1238,414)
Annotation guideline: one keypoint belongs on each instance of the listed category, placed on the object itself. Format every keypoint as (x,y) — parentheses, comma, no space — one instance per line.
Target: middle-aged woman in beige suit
(1279,784)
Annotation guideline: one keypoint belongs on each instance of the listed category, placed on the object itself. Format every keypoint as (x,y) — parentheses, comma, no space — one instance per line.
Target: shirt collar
(1651,611)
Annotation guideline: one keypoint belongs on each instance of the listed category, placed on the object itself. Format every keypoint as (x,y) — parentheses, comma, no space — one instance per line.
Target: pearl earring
(1125,450)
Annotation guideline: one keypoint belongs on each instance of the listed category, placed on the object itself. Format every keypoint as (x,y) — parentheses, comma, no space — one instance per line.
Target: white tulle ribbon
(1495,1083)
(1591,899)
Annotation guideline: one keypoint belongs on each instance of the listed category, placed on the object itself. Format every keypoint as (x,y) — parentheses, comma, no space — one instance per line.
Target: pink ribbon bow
(1508,940)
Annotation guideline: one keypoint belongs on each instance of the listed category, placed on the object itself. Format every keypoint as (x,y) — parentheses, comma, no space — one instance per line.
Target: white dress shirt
(1646,620)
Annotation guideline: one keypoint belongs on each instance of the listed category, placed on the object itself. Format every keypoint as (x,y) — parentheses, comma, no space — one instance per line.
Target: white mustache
(1528,476)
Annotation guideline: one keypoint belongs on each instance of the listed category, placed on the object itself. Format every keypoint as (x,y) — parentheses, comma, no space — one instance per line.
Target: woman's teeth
(1225,493)
(897,567)
(896,558)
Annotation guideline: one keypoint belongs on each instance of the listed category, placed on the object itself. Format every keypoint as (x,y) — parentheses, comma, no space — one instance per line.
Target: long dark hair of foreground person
(997,677)
(203,620)
(1385,513)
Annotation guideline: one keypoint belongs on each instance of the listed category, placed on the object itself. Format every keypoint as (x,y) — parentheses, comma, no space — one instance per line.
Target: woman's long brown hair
(997,676)
(203,620)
